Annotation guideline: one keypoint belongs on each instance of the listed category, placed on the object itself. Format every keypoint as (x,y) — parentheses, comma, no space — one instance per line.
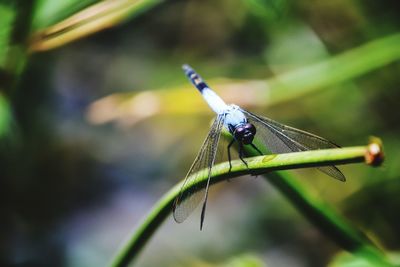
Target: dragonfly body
(234,119)
(213,100)
(245,127)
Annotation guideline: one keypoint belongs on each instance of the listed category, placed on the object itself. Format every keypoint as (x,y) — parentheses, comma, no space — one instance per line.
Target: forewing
(190,196)
(280,138)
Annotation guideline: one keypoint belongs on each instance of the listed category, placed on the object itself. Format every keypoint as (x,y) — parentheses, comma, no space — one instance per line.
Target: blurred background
(98,121)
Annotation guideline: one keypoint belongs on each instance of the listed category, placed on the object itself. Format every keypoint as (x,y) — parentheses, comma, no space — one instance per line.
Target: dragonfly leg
(241,154)
(256,148)
(229,154)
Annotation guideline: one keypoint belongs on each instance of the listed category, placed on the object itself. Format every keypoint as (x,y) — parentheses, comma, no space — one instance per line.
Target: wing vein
(295,140)
(190,194)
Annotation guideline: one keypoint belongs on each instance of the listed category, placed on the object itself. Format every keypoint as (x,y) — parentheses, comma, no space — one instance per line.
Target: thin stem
(315,211)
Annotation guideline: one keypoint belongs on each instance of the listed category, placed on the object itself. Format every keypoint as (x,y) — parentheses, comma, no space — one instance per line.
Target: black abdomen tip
(194,77)
(187,68)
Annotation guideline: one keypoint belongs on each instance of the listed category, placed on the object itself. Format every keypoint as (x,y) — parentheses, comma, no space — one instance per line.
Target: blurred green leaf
(7,15)
(338,69)
(245,260)
(5,116)
(269,10)
(94,18)
(358,259)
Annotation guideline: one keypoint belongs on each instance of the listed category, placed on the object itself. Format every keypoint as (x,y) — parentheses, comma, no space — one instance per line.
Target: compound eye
(239,132)
(250,127)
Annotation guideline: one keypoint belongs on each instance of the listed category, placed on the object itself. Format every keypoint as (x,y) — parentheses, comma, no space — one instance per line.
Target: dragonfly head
(245,133)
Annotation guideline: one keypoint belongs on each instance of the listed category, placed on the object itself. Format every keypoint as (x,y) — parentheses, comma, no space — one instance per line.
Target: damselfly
(245,127)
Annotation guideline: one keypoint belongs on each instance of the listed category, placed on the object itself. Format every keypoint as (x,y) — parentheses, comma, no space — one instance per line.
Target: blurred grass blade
(48,13)
(256,165)
(127,108)
(340,68)
(99,16)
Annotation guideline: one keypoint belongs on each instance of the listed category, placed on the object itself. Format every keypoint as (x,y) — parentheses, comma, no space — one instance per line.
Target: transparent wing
(188,200)
(280,138)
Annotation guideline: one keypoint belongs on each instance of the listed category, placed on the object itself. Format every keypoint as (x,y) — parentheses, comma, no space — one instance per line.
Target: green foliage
(358,259)
(337,69)
(7,14)
(289,54)
(245,260)
(85,22)
(5,116)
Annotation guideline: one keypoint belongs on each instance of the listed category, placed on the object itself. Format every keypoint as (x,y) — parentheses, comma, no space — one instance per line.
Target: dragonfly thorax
(245,133)
(237,124)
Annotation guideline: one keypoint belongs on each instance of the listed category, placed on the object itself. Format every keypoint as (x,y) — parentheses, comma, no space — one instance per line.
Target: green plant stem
(322,216)
(326,219)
